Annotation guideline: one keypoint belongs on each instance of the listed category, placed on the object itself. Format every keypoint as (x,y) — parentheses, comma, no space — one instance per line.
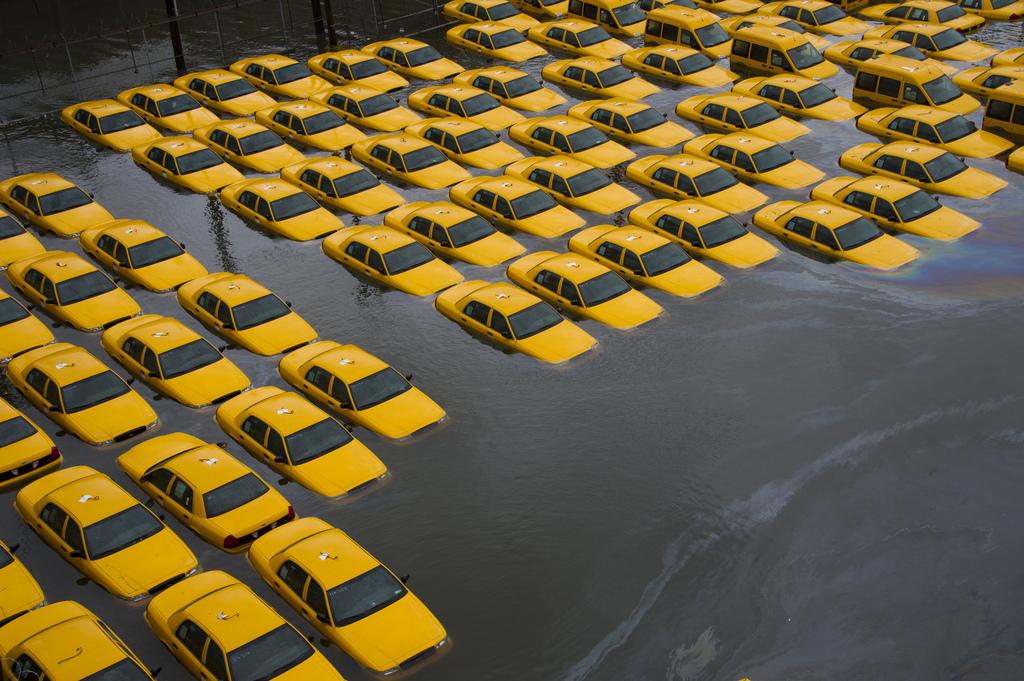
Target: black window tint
(181,493)
(999,110)
(823,235)
(257,429)
(759,53)
(193,637)
(888,87)
(477,311)
(159,478)
(866,81)
(801,226)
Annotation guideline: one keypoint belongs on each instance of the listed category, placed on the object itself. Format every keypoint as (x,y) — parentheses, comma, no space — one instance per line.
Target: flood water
(812,472)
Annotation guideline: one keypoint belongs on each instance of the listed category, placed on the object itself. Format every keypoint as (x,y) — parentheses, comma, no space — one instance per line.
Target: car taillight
(1014,17)
(53,455)
(231,542)
(291,513)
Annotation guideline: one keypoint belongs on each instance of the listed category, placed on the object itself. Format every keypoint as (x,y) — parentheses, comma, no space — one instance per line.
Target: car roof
(331,166)
(807,4)
(923,70)
(911,150)
(272,60)
(927,114)
(456,90)
(400,44)
(689,165)
(178,146)
(59,647)
(206,467)
(776,35)
(401,142)
(161,333)
(504,297)
(791,81)
(746,141)
(562,123)
(60,266)
(235,289)
(508,186)
(356,91)
(66,363)
(755,19)
(883,44)
(566,166)
(733,100)
(919,27)
(331,556)
(270,188)
(233,615)
(239,127)
(595,63)
(669,50)
(1012,70)
(381,238)
(828,214)
(572,266)
(695,212)
(350,56)
(92,498)
(1012,90)
(570,23)
(678,14)
(348,362)
(42,184)
(636,239)
(486,3)
(444,213)
(500,73)
(488,27)
(626,107)
(131,232)
(286,412)
(215,76)
(934,5)
(884,187)
(102,107)
(156,91)
(453,124)
(301,108)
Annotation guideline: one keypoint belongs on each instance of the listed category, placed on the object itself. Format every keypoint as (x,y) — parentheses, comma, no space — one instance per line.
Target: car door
(190,644)
(205,308)
(130,355)
(356,252)
(475,315)
(825,240)
(611,254)
(799,230)
(663,179)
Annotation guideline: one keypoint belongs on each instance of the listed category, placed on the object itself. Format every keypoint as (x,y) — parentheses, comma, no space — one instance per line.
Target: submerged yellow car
(280,76)
(224,92)
(367,107)
(184,162)
(572,137)
(599,77)
(515,204)
(754,158)
(545,9)
(732,112)
(70,289)
(730,6)
(102,531)
(342,185)
(685,176)
(515,319)
(209,491)
(984,80)
(16,242)
(21,594)
(584,288)
(141,254)
(817,16)
(355,67)
(280,207)
(921,165)
(578,37)
(361,388)
(465,101)
(512,87)
(896,205)
(363,607)
(852,53)
(703,231)
(694,27)
(409,159)
(311,123)
(1009,57)
(52,204)
(631,121)
(735,23)
(249,145)
(574,183)
(219,629)
(945,129)
(800,96)
(935,40)
(678,64)
(26,452)
(413,59)
(834,232)
(455,232)
(494,40)
(20,330)
(466,142)
(245,313)
(167,107)
(1015,161)
(174,360)
(645,258)
(391,258)
(996,10)
(501,11)
(300,441)
(110,123)
(929,11)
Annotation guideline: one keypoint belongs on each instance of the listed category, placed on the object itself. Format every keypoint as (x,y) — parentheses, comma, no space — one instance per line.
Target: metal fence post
(172,25)
(318,23)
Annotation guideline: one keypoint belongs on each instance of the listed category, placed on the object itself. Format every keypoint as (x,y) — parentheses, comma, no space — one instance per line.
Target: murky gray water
(812,472)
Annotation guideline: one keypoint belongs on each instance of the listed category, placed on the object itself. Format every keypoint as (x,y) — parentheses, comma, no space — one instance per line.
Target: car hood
(539,100)
(252,516)
(74,221)
(392,120)
(980,144)
(606,155)
(212,179)
(738,198)
(792,175)
(663,136)
(390,636)
(608,200)
(170,274)
(944,223)
(494,156)
(98,311)
(372,201)
(189,120)
(402,415)
(279,334)
(342,470)
(885,252)
(689,279)
(136,569)
(781,129)
(124,140)
(746,251)
(491,250)
(551,223)
(439,176)
(18,591)
(202,386)
(560,343)
(112,418)
(627,311)
(427,279)
(22,335)
(498,118)
(972,184)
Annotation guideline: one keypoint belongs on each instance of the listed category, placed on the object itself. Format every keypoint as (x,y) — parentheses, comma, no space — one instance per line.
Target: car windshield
(506,38)
(792,26)
(322,122)
(771,158)
(614,75)
(629,14)
(603,288)
(298,203)
(714,181)
(356,182)
(815,95)
(235,88)
(234,494)
(125,670)
(949,13)
(259,311)
(379,387)
(423,158)
(364,69)
(290,73)
(586,138)
(645,120)
(423,55)
(711,35)
(83,286)
(120,121)
(195,161)
(942,90)
(316,440)
(944,167)
(694,63)
(857,233)
(10,227)
(15,430)
(948,38)
(91,391)
(479,104)
(997,4)
(805,56)
(533,320)
(65,199)
(910,52)
(120,531)
(407,257)
(592,36)
(176,105)
(151,252)
(364,595)
(502,11)
(523,85)
(664,258)
(722,230)
(916,205)
(269,656)
(11,311)
(189,357)
(469,231)
(261,141)
(759,114)
(826,15)
(377,104)
(476,139)
(955,128)
(531,204)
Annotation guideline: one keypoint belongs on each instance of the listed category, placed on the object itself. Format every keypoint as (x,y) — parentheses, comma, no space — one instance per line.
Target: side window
(156,156)
(381,153)
(789,12)
(773,92)
(690,234)
(193,638)
(866,81)
(884,210)
(590,78)
(542,134)
(858,200)
(574,73)
(891,163)
(224,315)
(319,377)
(54,517)
(1018,115)
(653,27)
(789,97)
(484,198)
(548,280)
(317,599)
(106,244)
(476,311)
(214,661)
(824,236)
(888,87)
(806,17)
(256,428)
(420,225)
(232,145)
(159,478)
(208,302)
(275,443)
(34,278)
(441,236)
(927,132)
(356,250)
(559,185)
(722,153)
(898,12)
(570,292)
(149,361)
(669,223)
(219,136)
(743,161)
(53,394)
(715,111)
(732,117)
(601,116)
(904,125)
(779,60)
(151,107)
(27,669)
(685,185)
(923,42)
(998,110)
(619,122)
(133,348)
(375,261)
(610,251)
(339,391)
(181,493)
(741,48)
(48,291)
(503,208)
(664,175)
(912,94)
(860,54)
(631,261)
(801,226)
(248,199)
(310,177)
(36,380)
(540,176)
(915,171)
(500,324)
(263,208)
(759,53)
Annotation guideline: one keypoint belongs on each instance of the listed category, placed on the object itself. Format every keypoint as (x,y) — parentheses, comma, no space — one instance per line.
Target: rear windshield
(356,182)
(10,227)
(469,231)
(261,141)
(91,391)
(120,121)
(120,531)
(714,181)
(407,257)
(321,122)
(125,670)
(942,90)
(234,494)
(588,181)
(423,55)
(586,138)
(195,161)
(531,204)
(592,36)
(523,85)
(65,199)
(11,311)
(84,286)
(176,105)
(771,158)
(423,158)
(290,73)
(376,105)
(614,76)
(476,139)
(235,88)
(364,595)
(259,311)
(857,233)
(948,38)
(722,230)
(759,114)
(955,128)
(533,320)
(694,63)
(944,167)
(379,387)
(664,258)
(603,288)
(15,430)
(479,104)
(316,440)
(189,357)
(269,656)
(711,35)
(298,203)
(805,56)
(916,205)
(157,250)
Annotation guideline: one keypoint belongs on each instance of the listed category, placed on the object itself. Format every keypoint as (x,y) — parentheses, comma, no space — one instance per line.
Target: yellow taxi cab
(80,394)
(895,81)
(342,185)
(921,165)
(409,159)
(280,207)
(929,11)
(1005,111)
(52,204)
(645,258)
(348,596)
(935,40)
(300,441)
(834,232)
(516,204)
(733,24)
(754,158)
(26,452)
(362,388)
(572,137)
(209,491)
(367,107)
(544,9)
(631,121)
(703,231)
(730,6)
(413,59)
(102,531)
(648,5)
(64,640)
(575,183)
(224,92)
(391,258)
(578,37)
(355,67)
(70,289)
(467,102)
(495,40)
(1015,161)
(736,112)
(697,28)
(684,176)
(768,50)
(454,232)
(678,64)
(896,205)
(167,107)
(245,313)
(514,319)
(598,77)
(280,76)
(983,80)
(799,96)
(513,88)
(174,360)
(141,254)
(1009,57)
(218,628)
(466,142)
(817,16)
(110,123)
(21,593)
(945,129)
(248,144)
(186,163)
(583,287)
(310,123)
(996,10)
(15,241)
(501,11)
(852,53)
(20,330)
(621,17)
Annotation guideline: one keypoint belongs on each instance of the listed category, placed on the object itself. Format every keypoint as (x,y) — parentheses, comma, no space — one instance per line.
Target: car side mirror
(405,579)
(222,444)
(223,347)
(791,153)
(76,554)
(408,377)
(155,672)
(181,245)
(13,548)
(129,380)
(280,459)
(288,303)
(122,263)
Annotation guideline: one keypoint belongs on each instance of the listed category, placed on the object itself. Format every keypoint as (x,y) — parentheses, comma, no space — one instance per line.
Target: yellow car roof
(1012,90)
(331,166)
(206,467)
(919,27)
(756,18)
(504,297)
(487,27)
(882,44)
(688,165)
(270,188)
(828,214)
(891,190)
(130,232)
(60,266)
(636,239)
(332,557)
(157,92)
(302,108)
(506,186)
(456,125)
(774,35)
(486,3)
(501,74)
(354,91)
(563,124)
(592,63)
(42,184)
(159,333)
(271,61)
(92,498)
(812,5)
(682,16)
(626,107)
(733,101)
(925,114)
(349,362)
(930,5)
(346,56)
(670,51)
(569,24)
(443,213)
(233,615)
(239,127)
(565,166)
(572,266)
(177,146)
(400,142)
(924,71)
(65,363)
(101,107)
(696,213)
(286,412)
(459,92)
(400,44)
(921,153)
(59,647)
(746,141)
(214,76)
(794,82)
(235,289)
(381,239)
(611,4)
